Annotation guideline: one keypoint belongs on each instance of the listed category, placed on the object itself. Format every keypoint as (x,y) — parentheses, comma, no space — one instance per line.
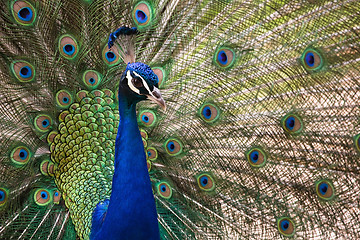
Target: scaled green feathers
(260,139)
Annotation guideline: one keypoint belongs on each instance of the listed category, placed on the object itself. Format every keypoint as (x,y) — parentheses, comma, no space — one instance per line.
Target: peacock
(168,119)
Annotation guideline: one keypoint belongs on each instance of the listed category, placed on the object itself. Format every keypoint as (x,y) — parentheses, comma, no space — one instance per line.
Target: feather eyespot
(43,122)
(224,57)
(91,79)
(57,196)
(42,197)
(3,196)
(164,190)
(143,134)
(152,153)
(142,14)
(173,147)
(160,73)
(325,190)
(312,60)
(144,142)
(24,13)
(209,112)
(23,71)
(20,155)
(50,137)
(286,226)
(357,142)
(51,169)
(147,118)
(292,124)
(256,157)
(63,98)
(68,46)
(205,182)
(111,56)
(44,167)
(69,49)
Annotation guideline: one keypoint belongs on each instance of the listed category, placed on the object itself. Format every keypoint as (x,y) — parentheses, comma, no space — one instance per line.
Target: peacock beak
(155,96)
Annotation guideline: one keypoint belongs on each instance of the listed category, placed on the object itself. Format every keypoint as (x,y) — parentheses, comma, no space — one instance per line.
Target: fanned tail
(260,138)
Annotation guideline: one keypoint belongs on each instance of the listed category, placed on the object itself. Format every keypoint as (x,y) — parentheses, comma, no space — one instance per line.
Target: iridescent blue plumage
(131,201)
(121,31)
(144,71)
(25,14)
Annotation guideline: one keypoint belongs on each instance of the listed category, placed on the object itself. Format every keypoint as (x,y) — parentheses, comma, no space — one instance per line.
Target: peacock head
(139,83)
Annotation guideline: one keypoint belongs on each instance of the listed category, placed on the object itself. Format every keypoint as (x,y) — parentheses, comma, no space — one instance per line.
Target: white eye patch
(131,85)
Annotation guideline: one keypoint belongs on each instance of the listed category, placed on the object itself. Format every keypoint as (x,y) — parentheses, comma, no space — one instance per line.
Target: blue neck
(131,213)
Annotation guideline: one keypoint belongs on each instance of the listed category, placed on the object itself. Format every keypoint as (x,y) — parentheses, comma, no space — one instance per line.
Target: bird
(168,119)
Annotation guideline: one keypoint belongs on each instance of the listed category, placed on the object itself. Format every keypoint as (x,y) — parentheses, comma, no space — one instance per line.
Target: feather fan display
(260,138)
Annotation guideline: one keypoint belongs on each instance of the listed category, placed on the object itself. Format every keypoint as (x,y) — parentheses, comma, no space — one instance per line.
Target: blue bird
(259,138)
(131,202)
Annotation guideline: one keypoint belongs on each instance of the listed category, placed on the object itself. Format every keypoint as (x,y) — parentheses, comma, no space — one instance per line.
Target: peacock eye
(42,197)
(286,226)
(137,82)
(3,196)
(325,190)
